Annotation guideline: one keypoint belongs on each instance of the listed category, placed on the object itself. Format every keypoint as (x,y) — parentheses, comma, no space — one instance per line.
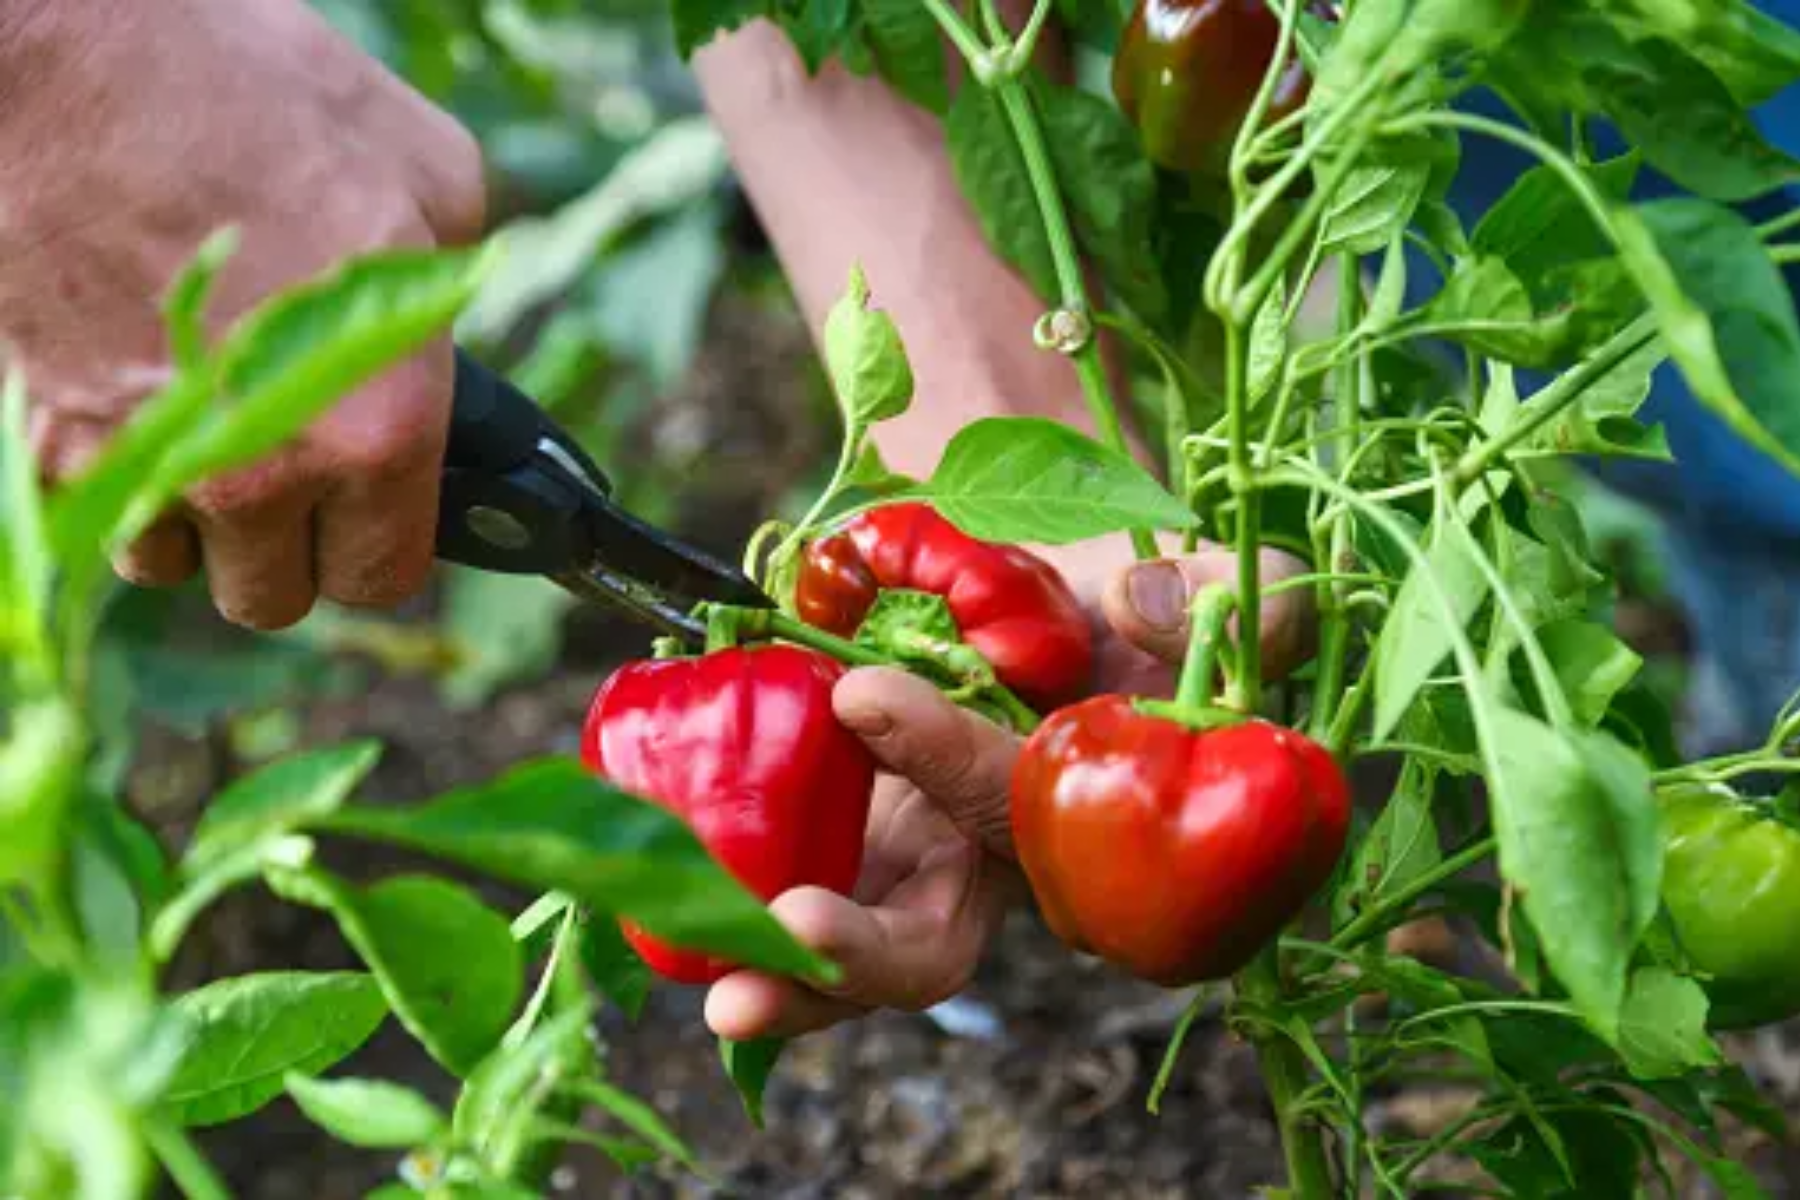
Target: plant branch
(1284,1074)
(1373,921)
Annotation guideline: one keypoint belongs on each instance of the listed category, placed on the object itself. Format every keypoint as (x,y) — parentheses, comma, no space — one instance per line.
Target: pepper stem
(1211,608)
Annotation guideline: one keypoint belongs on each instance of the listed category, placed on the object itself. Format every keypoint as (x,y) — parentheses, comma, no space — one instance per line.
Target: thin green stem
(1247,688)
(1210,610)
(1776,226)
(187,1167)
(1373,921)
(1552,401)
(1284,1074)
(965,39)
(1019,57)
(1251,296)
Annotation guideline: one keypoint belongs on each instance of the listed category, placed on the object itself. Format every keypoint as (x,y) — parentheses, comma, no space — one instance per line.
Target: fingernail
(1158,594)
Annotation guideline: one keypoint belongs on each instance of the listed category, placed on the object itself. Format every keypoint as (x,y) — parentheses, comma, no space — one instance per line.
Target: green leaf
(1401,846)
(1026,479)
(41,762)
(507,629)
(370,1113)
(636,1116)
(1601,422)
(817,28)
(1602,1155)
(1110,189)
(25,556)
(696,21)
(296,355)
(1686,122)
(1484,306)
(1662,1029)
(553,825)
(991,172)
(457,1005)
(1592,665)
(909,51)
(501,1098)
(1725,314)
(245,1035)
(749,1064)
(1268,345)
(1757,55)
(1416,637)
(279,798)
(1372,207)
(867,362)
(614,966)
(1427,990)
(1580,838)
(1540,225)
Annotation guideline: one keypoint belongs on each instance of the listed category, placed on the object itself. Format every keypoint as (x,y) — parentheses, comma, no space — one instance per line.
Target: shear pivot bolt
(497,527)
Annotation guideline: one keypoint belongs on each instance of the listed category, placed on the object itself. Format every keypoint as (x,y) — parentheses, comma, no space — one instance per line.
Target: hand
(939,869)
(133,131)
(937,872)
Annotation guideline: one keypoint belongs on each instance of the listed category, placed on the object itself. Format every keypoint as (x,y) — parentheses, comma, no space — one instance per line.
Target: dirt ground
(1032,1086)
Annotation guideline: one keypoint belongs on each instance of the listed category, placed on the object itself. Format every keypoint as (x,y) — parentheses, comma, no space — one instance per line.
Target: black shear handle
(514,484)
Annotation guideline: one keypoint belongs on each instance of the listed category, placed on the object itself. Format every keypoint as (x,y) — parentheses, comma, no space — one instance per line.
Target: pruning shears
(521,497)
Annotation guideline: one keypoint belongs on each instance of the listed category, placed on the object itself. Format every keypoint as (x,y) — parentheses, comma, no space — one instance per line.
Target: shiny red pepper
(744,746)
(1172,852)
(1009,604)
(1187,72)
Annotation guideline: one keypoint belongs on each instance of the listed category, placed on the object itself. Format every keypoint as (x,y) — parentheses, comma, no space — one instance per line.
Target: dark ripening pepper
(743,745)
(1731,887)
(1187,72)
(1009,604)
(1172,852)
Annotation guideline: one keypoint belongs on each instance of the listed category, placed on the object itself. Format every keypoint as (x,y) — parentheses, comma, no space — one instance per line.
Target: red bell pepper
(744,746)
(1173,852)
(1009,604)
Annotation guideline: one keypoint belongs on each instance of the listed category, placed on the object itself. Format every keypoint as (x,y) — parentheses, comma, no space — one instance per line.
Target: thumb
(960,761)
(1147,605)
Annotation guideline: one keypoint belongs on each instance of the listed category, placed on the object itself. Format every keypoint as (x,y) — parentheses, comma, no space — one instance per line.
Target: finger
(1147,605)
(749,1004)
(256,543)
(961,761)
(383,453)
(167,554)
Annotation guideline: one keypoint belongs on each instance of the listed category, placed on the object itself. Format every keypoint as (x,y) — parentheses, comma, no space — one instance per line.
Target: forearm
(842,169)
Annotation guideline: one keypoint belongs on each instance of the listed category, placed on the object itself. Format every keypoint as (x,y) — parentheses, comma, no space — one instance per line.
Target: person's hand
(130,133)
(937,872)
(939,869)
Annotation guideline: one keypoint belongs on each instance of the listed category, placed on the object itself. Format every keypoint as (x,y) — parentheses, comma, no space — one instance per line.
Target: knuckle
(382,583)
(251,493)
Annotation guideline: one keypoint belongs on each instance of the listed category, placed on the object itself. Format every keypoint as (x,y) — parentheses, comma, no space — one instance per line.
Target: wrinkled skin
(131,132)
(744,746)
(1174,853)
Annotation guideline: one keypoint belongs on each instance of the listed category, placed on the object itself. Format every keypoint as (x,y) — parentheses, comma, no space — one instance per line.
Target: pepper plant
(1408,451)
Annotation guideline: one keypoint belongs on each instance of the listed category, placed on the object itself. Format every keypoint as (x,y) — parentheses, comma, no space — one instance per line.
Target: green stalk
(1284,1074)
(1247,688)
(1559,396)
(1207,616)
(1372,921)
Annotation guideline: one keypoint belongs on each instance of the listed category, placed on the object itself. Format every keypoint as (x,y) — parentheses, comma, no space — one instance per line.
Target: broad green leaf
(457,1002)
(40,772)
(1401,846)
(1416,637)
(749,1065)
(1426,990)
(295,356)
(1484,306)
(1592,665)
(1602,422)
(1373,206)
(1026,479)
(991,172)
(614,966)
(501,1100)
(1580,838)
(26,565)
(1405,39)
(1110,189)
(909,51)
(1602,1154)
(1540,224)
(1686,122)
(867,362)
(1757,55)
(553,825)
(370,1113)
(1268,346)
(546,256)
(818,29)
(648,303)
(1725,312)
(277,799)
(245,1035)
(1662,1029)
